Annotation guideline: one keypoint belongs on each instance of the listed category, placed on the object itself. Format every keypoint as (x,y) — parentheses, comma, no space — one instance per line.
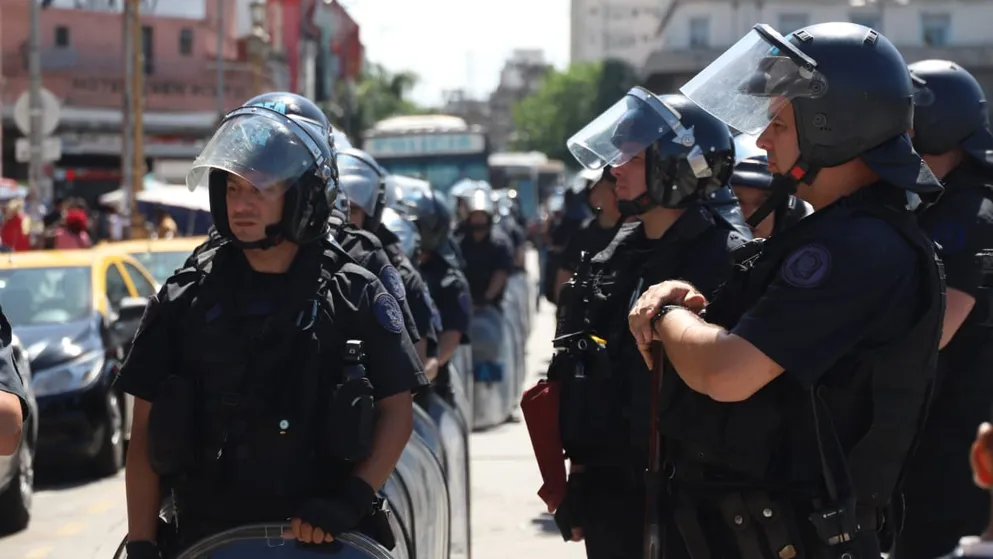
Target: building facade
(83,66)
(618,29)
(698,31)
(521,76)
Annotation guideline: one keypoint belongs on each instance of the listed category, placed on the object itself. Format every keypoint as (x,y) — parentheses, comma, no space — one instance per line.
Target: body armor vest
(604,409)
(262,392)
(855,427)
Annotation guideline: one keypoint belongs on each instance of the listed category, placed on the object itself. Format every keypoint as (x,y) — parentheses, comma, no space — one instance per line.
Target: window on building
(789,23)
(186,41)
(872,21)
(61,36)
(935,29)
(622,41)
(699,32)
(147,48)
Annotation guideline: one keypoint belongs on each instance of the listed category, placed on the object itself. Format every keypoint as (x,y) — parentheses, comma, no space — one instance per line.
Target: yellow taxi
(161,257)
(76,312)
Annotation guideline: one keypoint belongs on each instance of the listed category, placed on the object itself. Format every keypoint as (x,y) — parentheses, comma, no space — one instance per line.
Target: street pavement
(86,519)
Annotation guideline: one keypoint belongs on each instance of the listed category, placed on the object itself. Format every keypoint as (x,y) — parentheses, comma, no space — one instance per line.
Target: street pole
(35,169)
(138,75)
(220,59)
(127,128)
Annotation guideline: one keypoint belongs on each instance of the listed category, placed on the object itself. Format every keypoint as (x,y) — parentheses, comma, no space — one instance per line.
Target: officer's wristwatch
(662,312)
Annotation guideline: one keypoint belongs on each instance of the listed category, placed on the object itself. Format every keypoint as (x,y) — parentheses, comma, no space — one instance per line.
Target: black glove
(569,514)
(142,550)
(343,512)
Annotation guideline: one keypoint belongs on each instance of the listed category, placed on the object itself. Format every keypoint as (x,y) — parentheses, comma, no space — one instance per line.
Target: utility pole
(36,168)
(220,59)
(133,158)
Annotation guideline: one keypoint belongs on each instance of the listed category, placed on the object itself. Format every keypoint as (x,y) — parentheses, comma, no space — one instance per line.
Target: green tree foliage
(378,94)
(566,102)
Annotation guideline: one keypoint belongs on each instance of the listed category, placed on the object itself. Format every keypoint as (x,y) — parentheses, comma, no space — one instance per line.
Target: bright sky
(453,44)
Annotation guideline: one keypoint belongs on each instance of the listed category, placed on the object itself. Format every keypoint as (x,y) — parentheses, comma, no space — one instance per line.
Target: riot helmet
(277,143)
(850,93)
(950,111)
(688,152)
(429,211)
(364,181)
(405,231)
(399,188)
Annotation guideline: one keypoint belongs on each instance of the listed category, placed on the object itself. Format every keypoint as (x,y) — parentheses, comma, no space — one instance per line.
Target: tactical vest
(262,434)
(604,411)
(772,455)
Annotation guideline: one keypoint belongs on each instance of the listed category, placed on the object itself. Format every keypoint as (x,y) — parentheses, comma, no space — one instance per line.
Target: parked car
(161,257)
(17,471)
(76,312)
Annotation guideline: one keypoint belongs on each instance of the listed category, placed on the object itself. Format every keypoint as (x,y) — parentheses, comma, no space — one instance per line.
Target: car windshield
(31,296)
(162,265)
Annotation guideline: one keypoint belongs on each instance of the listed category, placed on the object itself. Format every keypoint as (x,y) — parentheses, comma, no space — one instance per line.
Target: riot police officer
(952,134)
(597,232)
(13,400)
(752,185)
(409,244)
(272,379)
(488,255)
(441,270)
(788,414)
(668,156)
(364,182)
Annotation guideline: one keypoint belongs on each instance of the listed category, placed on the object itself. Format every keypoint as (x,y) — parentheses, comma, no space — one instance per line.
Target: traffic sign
(51,149)
(50,112)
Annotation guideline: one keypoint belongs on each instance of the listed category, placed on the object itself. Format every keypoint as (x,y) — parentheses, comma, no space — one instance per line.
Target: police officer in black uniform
(13,400)
(364,182)
(952,134)
(979,544)
(488,254)
(752,185)
(668,156)
(272,380)
(441,270)
(787,415)
(597,232)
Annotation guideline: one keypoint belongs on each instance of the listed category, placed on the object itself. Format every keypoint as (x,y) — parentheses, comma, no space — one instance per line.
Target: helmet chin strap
(783,186)
(273,237)
(636,207)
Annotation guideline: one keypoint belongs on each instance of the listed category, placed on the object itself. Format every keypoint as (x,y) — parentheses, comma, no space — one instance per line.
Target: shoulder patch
(950,235)
(388,312)
(465,302)
(393,282)
(435,315)
(807,266)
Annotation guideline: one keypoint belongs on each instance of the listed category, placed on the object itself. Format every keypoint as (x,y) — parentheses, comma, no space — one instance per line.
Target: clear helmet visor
(406,231)
(752,81)
(266,151)
(623,131)
(359,181)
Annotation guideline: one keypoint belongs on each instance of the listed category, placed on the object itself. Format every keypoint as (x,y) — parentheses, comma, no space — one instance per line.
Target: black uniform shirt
(591,238)
(852,285)
(450,292)
(360,305)
(483,259)
(415,291)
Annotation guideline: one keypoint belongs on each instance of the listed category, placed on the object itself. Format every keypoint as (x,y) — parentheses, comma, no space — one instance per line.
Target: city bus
(440,149)
(524,172)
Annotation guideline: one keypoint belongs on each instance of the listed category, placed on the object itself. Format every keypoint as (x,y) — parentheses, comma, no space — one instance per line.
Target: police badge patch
(393,282)
(807,266)
(388,312)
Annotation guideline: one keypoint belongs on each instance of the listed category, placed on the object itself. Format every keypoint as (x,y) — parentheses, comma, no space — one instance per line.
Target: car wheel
(110,459)
(15,501)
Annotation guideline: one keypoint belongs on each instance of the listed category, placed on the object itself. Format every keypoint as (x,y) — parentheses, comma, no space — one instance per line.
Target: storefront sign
(169,88)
